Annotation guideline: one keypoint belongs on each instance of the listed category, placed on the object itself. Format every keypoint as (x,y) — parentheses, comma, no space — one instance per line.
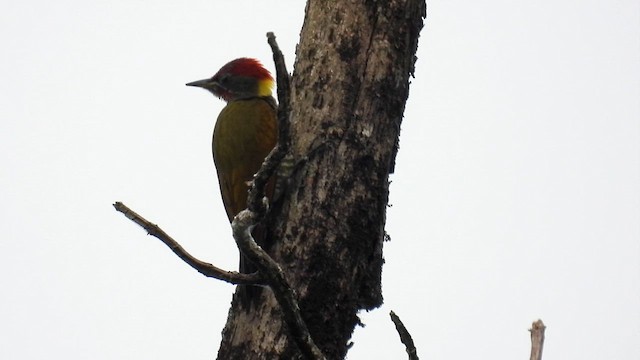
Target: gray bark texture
(349,88)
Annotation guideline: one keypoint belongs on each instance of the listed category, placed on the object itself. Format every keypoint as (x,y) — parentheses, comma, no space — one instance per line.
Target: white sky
(516,194)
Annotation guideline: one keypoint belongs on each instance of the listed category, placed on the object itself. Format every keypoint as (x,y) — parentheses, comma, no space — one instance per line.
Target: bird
(244,134)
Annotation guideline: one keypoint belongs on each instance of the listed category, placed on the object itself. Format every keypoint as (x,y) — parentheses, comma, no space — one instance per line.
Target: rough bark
(349,88)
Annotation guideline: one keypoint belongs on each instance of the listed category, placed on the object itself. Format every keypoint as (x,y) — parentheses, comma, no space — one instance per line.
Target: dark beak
(200,83)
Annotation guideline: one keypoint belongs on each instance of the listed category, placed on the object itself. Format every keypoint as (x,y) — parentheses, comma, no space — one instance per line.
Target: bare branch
(204,268)
(284,92)
(271,162)
(537,339)
(405,337)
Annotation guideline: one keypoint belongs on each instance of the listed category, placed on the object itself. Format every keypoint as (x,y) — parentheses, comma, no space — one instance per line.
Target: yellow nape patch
(265,87)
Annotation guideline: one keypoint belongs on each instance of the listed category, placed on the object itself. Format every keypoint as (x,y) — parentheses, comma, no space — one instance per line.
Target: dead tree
(348,93)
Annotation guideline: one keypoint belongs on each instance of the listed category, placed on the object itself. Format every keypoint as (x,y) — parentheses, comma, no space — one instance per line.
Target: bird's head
(241,78)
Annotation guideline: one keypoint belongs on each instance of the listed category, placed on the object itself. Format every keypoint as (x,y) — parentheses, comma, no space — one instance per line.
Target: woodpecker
(244,134)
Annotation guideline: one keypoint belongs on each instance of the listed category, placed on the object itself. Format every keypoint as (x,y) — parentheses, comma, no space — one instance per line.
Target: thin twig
(271,162)
(283,83)
(204,268)
(405,337)
(537,339)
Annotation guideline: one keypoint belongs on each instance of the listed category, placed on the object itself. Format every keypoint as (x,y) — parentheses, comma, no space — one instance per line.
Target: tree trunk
(349,88)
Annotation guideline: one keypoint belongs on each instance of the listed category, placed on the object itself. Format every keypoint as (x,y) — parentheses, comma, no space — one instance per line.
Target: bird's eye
(223,79)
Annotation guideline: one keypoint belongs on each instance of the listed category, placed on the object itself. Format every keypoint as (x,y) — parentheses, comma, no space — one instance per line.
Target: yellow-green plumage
(245,133)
